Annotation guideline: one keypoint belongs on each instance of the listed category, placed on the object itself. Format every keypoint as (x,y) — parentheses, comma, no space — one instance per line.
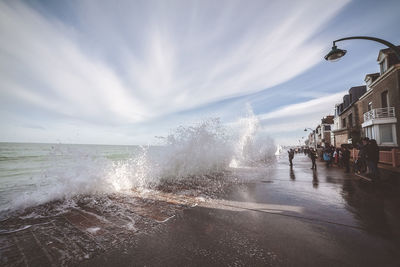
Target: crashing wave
(194,157)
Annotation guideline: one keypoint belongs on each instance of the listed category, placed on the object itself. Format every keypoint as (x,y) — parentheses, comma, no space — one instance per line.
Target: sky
(122,72)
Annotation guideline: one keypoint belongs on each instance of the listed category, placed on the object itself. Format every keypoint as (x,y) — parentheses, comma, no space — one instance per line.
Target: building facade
(324,133)
(347,120)
(321,135)
(311,139)
(380,105)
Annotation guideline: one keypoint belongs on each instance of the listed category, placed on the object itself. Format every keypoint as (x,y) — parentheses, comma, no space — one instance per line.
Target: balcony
(379,113)
(379,116)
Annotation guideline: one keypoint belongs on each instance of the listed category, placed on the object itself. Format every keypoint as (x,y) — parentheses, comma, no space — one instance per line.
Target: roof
(386,51)
(328,119)
(372,75)
(360,86)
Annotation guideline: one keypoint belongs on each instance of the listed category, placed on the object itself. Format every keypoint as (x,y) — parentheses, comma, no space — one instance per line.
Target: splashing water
(192,156)
(252,147)
(278,150)
(100,196)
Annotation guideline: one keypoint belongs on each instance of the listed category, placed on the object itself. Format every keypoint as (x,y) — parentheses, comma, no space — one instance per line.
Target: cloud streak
(288,123)
(140,60)
(305,109)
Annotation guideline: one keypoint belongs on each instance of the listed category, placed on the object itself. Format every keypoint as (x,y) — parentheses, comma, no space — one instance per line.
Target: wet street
(297,217)
(276,216)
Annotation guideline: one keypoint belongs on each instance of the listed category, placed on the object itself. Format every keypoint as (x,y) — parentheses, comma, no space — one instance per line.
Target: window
(369,106)
(385,99)
(368,82)
(344,123)
(386,134)
(351,120)
(369,132)
(383,65)
(327,127)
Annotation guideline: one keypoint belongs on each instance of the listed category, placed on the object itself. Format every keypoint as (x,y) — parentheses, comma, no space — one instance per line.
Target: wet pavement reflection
(315,179)
(281,216)
(292,176)
(329,194)
(278,216)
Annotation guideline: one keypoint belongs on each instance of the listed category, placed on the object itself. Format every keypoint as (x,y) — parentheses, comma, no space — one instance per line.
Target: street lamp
(315,138)
(335,54)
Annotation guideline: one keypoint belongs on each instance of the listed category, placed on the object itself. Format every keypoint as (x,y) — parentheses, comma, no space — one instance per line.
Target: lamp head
(335,54)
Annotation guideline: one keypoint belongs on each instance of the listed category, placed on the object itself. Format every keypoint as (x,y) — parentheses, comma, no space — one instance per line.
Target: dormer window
(368,82)
(383,65)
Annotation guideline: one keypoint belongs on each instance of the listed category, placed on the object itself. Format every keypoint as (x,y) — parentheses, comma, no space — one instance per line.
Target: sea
(78,199)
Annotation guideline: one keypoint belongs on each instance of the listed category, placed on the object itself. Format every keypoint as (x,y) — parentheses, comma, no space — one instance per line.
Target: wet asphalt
(285,217)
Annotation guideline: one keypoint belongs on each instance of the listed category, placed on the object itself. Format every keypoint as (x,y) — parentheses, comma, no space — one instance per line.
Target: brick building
(324,130)
(347,120)
(380,105)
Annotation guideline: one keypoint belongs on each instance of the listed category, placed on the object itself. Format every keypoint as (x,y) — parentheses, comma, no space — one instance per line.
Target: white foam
(15,230)
(167,219)
(278,150)
(194,151)
(253,147)
(93,230)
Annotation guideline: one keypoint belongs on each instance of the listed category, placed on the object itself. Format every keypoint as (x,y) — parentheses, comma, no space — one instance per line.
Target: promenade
(289,217)
(280,217)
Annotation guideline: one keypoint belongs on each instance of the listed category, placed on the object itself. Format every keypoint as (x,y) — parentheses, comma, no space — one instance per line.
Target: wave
(195,157)
(252,145)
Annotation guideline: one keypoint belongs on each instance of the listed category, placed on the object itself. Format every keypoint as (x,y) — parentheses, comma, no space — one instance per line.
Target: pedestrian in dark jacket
(341,158)
(373,159)
(346,159)
(362,155)
(291,156)
(313,157)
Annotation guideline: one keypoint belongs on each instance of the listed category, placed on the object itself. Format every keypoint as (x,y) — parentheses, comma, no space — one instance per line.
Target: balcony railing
(379,113)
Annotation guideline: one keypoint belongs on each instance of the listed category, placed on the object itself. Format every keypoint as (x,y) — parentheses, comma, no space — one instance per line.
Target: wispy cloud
(305,109)
(137,61)
(100,72)
(288,123)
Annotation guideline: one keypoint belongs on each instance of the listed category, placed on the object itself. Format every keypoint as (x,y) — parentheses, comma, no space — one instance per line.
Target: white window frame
(369,107)
(394,134)
(383,65)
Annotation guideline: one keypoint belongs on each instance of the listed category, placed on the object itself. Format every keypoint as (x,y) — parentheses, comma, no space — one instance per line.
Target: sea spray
(252,145)
(196,150)
(190,157)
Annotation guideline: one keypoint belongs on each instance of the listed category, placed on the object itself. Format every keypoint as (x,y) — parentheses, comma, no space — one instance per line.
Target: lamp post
(335,54)
(315,139)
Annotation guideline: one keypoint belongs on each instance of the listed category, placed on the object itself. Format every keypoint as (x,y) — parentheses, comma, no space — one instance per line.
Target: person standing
(341,158)
(336,156)
(291,156)
(373,159)
(327,155)
(362,155)
(346,159)
(313,157)
(332,157)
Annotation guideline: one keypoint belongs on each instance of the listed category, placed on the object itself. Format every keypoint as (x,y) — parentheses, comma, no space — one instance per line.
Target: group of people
(366,162)
(338,156)
(368,158)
